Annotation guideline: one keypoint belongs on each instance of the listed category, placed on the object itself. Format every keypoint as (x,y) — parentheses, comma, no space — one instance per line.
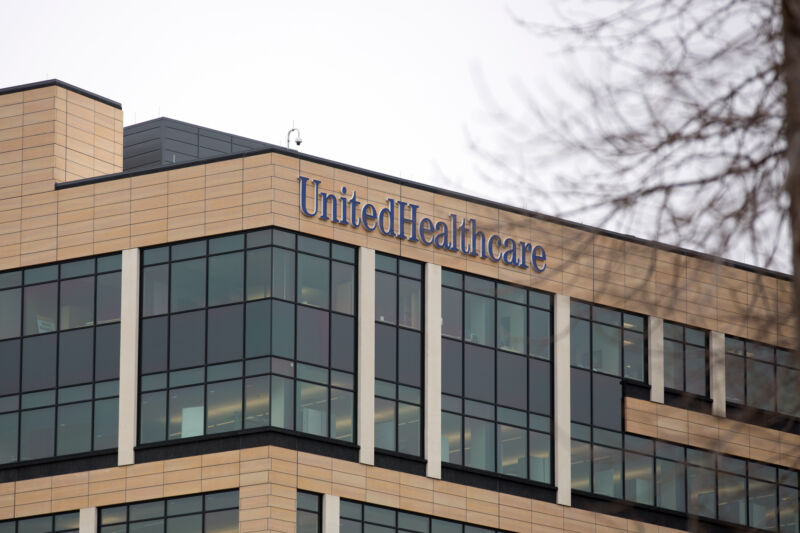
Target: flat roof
(63,84)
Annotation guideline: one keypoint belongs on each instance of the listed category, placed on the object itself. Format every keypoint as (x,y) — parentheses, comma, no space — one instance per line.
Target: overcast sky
(388,86)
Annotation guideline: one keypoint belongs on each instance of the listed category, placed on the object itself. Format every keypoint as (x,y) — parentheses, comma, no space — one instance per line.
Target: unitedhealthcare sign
(453,235)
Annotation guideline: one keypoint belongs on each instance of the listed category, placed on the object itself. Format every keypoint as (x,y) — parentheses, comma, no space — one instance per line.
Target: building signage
(453,235)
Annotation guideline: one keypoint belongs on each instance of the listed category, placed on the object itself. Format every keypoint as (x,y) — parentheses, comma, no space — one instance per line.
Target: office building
(202,332)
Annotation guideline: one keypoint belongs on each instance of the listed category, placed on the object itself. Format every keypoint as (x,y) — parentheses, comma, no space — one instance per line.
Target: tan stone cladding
(709,432)
(268,478)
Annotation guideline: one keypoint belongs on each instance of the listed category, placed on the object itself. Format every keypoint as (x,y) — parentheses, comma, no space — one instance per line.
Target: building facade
(201,332)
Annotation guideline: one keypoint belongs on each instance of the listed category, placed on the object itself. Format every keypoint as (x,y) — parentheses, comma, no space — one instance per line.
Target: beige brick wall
(712,433)
(268,478)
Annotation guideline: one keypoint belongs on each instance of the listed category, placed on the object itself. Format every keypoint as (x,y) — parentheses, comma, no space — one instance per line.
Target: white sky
(387,86)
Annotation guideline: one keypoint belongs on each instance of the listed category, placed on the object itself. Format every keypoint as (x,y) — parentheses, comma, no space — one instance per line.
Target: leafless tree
(676,123)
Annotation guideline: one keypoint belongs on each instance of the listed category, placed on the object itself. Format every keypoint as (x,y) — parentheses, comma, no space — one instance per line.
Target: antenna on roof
(298,141)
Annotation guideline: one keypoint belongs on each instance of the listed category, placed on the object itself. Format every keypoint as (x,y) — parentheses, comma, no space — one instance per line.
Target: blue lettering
(454,243)
(303,196)
(325,197)
(491,248)
(474,232)
(440,241)
(354,220)
(343,220)
(368,213)
(387,212)
(536,256)
(412,221)
(425,226)
(523,249)
(510,255)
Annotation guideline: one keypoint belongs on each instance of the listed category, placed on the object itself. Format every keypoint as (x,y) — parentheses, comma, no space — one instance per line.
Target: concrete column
(87,521)
(655,358)
(128,357)
(716,363)
(366,355)
(561,396)
(330,513)
(433,370)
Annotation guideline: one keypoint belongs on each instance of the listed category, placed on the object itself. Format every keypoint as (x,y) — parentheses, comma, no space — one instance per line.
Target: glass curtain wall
(496,377)
(685,359)
(398,355)
(214,512)
(59,523)
(357,517)
(309,512)
(59,352)
(247,331)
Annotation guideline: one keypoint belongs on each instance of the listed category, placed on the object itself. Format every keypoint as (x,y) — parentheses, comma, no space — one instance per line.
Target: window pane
(224,407)
(188,285)
(342,342)
(257,329)
(539,386)
(186,412)
(451,312)
(283,274)
(37,434)
(581,466)
(580,396)
(734,379)
(40,308)
(385,298)
(410,303)
(788,398)
(77,303)
(633,344)
(222,521)
(225,332)
(512,386)
(10,310)
(696,360)
(283,329)
(607,471)
(763,512)
(451,367)
(731,498)
(673,365)
(788,510)
(155,290)
(343,287)
(312,409)
(9,362)
(479,373)
(39,362)
(639,478)
(8,438)
(511,327)
(106,352)
(760,385)
(479,444)
(342,415)
(105,424)
(606,349)
(670,480)
(152,418)
(75,354)
(187,339)
(539,449)
(74,428)
(225,278)
(539,332)
(154,345)
(479,319)
(259,273)
(313,281)
(109,293)
(579,343)
(512,451)
(606,402)
(312,347)
(702,492)
(385,424)
(410,357)
(385,352)
(451,438)
(409,418)
(256,407)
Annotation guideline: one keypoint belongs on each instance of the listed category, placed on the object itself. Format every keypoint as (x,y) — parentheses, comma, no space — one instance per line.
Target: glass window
(55,523)
(217,364)
(213,512)
(685,359)
(761,377)
(357,517)
(309,512)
